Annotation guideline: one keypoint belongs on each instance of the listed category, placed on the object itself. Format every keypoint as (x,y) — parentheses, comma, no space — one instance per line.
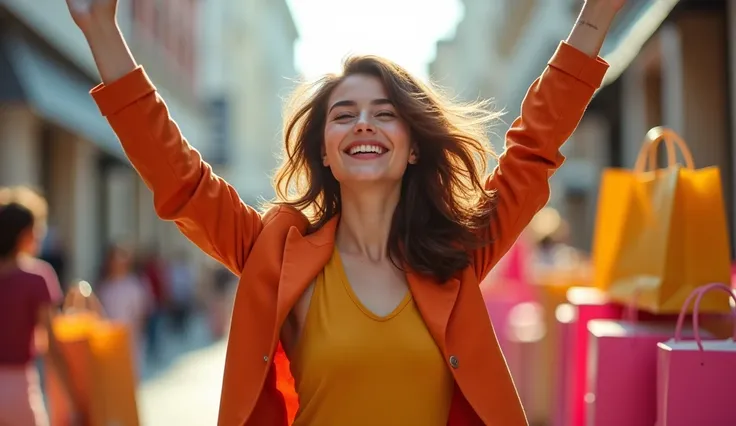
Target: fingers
(80,6)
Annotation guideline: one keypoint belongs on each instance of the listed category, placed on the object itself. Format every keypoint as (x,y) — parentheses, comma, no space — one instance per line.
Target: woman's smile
(366,150)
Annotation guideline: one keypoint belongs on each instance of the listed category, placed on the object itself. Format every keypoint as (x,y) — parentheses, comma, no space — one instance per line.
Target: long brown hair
(444,208)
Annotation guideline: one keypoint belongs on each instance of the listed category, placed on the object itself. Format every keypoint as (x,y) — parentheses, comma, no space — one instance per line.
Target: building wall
(95,198)
(261,60)
(467,65)
(19,146)
(74,198)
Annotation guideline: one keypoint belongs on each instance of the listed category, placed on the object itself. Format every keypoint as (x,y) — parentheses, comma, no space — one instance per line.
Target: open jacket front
(276,260)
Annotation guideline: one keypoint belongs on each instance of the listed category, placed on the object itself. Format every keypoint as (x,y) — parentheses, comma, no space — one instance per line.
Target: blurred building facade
(672,64)
(498,50)
(53,138)
(248,68)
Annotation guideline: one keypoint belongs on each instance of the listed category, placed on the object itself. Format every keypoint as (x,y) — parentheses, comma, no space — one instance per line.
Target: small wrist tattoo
(587,24)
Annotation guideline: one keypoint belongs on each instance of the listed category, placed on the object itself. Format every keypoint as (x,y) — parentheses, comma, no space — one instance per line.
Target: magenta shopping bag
(585,304)
(622,371)
(695,378)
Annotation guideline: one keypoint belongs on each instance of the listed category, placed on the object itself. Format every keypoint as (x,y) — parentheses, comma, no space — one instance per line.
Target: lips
(366,149)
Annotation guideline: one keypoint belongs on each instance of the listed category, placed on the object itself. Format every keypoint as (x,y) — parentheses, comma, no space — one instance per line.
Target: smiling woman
(359,299)
(374,126)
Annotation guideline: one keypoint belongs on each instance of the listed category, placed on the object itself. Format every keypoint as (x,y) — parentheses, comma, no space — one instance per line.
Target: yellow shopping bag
(100,358)
(660,233)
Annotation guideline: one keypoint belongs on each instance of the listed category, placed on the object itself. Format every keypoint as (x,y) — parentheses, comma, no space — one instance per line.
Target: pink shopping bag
(585,305)
(504,290)
(695,377)
(622,371)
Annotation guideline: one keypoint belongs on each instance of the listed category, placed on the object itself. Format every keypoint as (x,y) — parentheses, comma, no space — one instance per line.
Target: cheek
(399,135)
(333,136)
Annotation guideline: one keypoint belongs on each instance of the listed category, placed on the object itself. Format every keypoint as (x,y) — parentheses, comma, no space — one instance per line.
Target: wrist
(598,14)
(102,33)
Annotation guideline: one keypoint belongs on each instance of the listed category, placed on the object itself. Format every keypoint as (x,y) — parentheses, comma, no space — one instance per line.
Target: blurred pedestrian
(154,270)
(125,295)
(182,283)
(552,252)
(52,251)
(219,301)
(30,295)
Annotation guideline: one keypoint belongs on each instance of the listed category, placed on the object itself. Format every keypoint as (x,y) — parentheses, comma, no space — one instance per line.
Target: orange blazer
(276,260)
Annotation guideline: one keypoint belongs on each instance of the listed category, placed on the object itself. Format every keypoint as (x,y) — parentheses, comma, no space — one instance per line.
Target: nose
(364,124)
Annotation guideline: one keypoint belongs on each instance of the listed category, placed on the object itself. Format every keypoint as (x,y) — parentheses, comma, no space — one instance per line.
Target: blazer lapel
(435,302)
(304,258)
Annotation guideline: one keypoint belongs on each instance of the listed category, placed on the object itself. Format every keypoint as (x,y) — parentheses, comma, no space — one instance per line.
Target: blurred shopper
(30,295)
(155,272)
(366,267)
(125,295)
(182,286)
(52,251)
(552,251)
(219,300)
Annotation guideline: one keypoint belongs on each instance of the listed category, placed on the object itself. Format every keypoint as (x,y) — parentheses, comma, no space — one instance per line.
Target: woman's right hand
(93,15)
(98,21)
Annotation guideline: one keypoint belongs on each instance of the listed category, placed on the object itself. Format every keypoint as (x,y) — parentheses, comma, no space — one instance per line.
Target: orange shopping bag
(100,359)
(661,231)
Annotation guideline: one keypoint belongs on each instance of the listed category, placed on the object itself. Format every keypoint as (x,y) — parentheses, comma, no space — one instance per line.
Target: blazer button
(265,358)
(453,361)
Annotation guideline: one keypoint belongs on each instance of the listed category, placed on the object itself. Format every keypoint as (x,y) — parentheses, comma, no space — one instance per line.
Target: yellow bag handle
(80,298)
(672,141)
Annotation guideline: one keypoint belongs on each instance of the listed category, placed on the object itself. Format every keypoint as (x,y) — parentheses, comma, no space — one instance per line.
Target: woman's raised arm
(550,112)
(185,189)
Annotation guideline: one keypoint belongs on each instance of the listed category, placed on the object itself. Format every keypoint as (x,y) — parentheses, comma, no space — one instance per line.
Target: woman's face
(120,262)
(365,139)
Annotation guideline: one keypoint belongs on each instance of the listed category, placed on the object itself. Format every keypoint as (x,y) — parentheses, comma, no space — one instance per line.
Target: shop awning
(633,29)
(57,92)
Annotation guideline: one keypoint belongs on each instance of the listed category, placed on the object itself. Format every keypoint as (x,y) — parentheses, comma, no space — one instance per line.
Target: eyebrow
(380,101)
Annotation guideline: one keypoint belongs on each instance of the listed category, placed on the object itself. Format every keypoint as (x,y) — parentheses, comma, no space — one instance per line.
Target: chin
(365,176)
(369,172)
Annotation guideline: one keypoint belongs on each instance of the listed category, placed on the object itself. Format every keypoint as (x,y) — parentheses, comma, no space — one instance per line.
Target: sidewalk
(187,393)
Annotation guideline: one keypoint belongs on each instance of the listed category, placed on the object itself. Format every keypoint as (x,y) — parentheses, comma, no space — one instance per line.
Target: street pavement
(184,389)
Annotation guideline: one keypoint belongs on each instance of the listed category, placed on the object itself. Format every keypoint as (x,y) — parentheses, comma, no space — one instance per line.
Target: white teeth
(366,149)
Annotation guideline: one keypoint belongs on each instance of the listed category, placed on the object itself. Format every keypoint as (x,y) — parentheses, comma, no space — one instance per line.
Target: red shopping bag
(694,376)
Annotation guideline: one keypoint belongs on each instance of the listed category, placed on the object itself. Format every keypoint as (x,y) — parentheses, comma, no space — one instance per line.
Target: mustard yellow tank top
(353,368)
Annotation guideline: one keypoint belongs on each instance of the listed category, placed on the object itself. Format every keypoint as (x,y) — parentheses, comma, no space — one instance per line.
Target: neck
(118,274)
(8,263)
(365,219)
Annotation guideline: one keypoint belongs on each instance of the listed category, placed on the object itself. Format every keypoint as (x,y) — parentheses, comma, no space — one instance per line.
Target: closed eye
(342,117)
(385,114)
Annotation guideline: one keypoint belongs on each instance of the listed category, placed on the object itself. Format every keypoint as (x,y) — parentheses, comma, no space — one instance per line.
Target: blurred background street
(187,392)
(224,68)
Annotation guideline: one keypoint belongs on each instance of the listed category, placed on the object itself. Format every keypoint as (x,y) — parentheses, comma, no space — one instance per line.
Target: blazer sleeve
(206,209)
(550,112)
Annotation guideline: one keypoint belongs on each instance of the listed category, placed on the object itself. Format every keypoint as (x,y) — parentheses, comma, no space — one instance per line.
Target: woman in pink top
(29,293)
